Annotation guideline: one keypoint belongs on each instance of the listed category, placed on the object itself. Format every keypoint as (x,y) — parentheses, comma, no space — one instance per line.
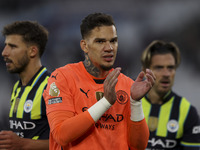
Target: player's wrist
(99,108)
(136,110)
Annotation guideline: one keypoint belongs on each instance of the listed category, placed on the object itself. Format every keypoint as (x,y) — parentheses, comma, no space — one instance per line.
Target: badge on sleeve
(54,91)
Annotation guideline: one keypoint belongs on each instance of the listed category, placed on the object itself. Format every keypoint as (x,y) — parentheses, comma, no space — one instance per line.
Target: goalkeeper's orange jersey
(70,92)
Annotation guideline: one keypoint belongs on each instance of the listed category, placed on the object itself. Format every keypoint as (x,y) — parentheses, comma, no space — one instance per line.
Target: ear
(33,51)
(84,46)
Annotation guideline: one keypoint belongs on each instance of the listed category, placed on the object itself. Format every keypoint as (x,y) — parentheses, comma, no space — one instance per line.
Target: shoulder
(181,99)
(193,111)
(15,85)
(68,68)
(185,105)
(65,74)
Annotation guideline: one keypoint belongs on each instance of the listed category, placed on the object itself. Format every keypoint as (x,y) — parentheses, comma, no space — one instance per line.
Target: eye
(114,40)
(100,41)
(158,67)
(171,68)
(12,46)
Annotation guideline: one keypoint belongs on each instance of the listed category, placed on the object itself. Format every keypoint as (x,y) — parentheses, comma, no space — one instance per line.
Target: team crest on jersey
(99,95)
(28,106)
(54,91)
(152,123)
(172,126)
(122,97)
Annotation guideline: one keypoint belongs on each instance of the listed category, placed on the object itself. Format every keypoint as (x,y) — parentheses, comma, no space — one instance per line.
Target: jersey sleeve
(191,135)
(138,135)
(58,94)
(60,109)
(76,125)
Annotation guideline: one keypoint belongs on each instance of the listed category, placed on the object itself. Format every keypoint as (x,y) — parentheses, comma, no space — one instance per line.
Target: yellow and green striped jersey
(172,125)
(27,115)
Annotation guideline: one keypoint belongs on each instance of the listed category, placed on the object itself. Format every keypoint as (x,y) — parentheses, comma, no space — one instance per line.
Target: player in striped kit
(25,43)
(173,122)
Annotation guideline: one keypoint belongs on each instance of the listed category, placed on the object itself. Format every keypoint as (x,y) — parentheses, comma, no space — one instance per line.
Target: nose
(108,46)
(166,72)
(5,51)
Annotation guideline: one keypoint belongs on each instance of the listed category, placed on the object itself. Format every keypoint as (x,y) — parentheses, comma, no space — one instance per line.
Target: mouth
(8,61)
(165,83)
(108,58)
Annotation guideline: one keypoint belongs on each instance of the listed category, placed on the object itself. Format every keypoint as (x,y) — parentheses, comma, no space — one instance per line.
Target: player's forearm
(29,144)
(67,128)
(138,134)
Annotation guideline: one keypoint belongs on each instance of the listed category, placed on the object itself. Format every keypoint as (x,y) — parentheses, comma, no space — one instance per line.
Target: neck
(27,74)
(93,70)
(155,98)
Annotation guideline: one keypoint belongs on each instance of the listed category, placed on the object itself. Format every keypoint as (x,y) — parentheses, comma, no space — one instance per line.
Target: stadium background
(138,23)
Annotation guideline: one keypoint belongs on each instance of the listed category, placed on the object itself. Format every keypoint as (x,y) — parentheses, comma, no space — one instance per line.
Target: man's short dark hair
(31,31)
(95,20)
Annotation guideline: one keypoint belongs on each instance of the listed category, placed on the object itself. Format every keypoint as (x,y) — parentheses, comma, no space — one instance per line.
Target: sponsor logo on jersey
(86,93)
(54,76)
(23,125)
(172,126)
(55,100)
(54,91)
(153,123)
(28,106)
(167,143)
(105,126)
(21,134)
(84,109)
(109,117)
(112,118)
(122,97)
(108,121)
(196,130)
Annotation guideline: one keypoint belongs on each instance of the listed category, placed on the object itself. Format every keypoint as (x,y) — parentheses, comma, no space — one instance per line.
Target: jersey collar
(32,81)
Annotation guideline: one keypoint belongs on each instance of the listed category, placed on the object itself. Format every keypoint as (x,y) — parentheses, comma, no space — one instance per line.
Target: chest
(26,103)
(86,95)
